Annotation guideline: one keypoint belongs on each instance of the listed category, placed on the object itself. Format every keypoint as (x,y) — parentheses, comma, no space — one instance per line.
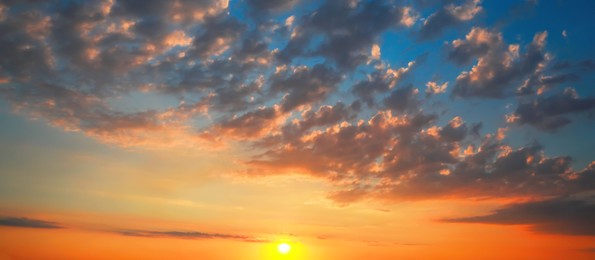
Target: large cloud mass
(310,92)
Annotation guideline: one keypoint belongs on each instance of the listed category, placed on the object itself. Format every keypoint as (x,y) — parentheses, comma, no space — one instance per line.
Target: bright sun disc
(283,248)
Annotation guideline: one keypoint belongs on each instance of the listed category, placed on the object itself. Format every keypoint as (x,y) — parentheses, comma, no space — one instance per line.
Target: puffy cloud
(492,171)
(347,31)
(396,157)
(65,64)
(220,33)
(410,16)
(298,128)
(436,88)
(304,86)
(375,52)
(565,215)
(498,65)
(403,99)
(327,115)
(448,16)
(28,223)
(550,113)
(252,124)
(380,81)
(343,149)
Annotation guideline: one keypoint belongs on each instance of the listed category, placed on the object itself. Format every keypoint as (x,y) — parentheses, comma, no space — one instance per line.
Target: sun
(283,248)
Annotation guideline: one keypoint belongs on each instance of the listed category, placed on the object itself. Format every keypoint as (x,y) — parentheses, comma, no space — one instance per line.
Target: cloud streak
(188,235)
(566,216)
(25,222)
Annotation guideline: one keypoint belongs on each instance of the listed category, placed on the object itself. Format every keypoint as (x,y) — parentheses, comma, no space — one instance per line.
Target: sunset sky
(297,129)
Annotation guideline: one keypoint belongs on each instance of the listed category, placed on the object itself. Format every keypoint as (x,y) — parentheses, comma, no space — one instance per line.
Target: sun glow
(283,248)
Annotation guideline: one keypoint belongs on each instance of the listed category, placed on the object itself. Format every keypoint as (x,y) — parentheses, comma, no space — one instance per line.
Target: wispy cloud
(189,235)
(29,223)
(567,216)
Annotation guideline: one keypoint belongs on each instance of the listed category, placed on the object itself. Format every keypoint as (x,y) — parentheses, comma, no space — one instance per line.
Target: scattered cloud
(318,91)
(499,66)
(346,38)
(448,16)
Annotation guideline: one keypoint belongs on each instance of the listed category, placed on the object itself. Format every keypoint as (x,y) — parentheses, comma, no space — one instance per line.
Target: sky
(297,129)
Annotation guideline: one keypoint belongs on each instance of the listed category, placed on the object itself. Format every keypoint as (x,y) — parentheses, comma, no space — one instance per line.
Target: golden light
(283,248)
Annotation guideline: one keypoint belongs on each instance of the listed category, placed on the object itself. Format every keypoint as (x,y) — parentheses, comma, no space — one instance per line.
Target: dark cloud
(348,31)
(573,67)
(378,82)
(550,113)
(188,235)
(430,3)
(270,5)
(566,216)
(304,86)
(28,223)
(328,115)
(216,35)
(249,125)
(448,16)
(403,99)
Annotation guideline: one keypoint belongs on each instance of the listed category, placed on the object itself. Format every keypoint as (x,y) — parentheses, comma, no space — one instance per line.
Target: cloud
(342,150)
(189,235)
(252,124)
(304,85)
(308,92)
(550,113)
(28,223)
(394,156)
(220,33)
(436,88)
(498,65)
(565,215)
(347,31)
(403,99)
(587,64)
(380,81)
(66,64)
(270,5)
(448,16)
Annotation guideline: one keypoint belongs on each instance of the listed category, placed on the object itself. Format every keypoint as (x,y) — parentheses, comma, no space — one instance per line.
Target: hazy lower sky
(297,129)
